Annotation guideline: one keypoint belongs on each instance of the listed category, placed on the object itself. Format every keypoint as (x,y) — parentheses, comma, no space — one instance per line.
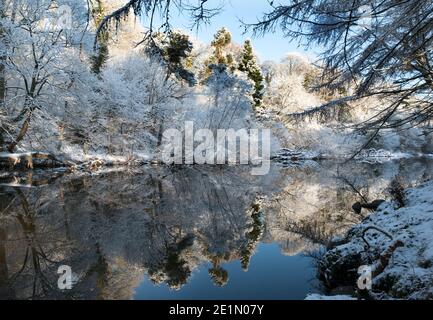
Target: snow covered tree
(230,98)
(296,63)
(220,55)
(174,49)
(126,110)
(220,42)
(249,65)
(198,11)
(379,48)
(39,54)
(285,91)
(150,8)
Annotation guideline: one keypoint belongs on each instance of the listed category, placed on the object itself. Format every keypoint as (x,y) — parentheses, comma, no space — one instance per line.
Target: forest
(104,88)
(92,89)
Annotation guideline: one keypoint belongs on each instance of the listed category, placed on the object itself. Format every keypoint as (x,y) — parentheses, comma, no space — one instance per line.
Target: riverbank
(36,159)
(395,242)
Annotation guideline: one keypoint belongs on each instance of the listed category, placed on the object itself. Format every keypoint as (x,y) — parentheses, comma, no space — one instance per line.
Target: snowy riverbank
(95,162)
(395,242)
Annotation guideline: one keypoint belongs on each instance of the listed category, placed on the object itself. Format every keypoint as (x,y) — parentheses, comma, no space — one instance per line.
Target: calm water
(183,232)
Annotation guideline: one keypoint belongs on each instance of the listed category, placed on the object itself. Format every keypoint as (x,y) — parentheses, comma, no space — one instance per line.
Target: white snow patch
(314,296)
(409,274)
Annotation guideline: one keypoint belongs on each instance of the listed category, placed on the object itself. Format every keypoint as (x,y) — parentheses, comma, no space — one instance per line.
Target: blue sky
(272,46)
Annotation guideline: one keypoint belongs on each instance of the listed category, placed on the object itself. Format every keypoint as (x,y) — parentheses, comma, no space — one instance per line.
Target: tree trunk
(385,257)
(22,133)
(2,75)
(2,78)
(2,57)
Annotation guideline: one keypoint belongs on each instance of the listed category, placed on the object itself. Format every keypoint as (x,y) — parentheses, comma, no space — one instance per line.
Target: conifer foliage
(175,49)
(249,65)
(221,40)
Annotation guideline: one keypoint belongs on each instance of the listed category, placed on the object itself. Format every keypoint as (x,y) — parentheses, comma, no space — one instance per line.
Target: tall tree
(249,65)
(37,57)
(377,47)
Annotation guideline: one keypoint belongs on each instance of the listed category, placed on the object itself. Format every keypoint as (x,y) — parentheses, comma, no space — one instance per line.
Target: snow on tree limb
(150,7)
(368,45)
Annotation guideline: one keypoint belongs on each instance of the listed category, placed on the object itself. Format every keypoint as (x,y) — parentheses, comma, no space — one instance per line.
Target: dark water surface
(181,232)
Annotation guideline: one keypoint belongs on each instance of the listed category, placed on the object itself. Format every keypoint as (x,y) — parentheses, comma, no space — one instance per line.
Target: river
(182,232)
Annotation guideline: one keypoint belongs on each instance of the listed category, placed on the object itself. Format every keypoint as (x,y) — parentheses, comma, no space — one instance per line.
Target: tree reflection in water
(164,222)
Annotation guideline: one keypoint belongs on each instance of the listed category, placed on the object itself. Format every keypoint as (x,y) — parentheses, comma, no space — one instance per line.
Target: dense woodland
(105,87)
(91,83)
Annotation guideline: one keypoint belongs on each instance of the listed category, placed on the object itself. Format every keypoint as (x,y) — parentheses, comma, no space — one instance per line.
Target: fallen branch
(27,160)
(384,258)
(377,229)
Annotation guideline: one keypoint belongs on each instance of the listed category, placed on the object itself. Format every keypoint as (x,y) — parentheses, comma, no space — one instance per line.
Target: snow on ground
(285,154)
(368,155)
(409,274)
(315,297)
(380,155)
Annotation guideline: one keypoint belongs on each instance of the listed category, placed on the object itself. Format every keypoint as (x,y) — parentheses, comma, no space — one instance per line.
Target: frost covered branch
(370,46)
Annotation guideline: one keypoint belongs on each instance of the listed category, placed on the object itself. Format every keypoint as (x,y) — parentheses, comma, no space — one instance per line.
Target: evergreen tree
(179,49)
(175,51)
(222,39)
(249,65)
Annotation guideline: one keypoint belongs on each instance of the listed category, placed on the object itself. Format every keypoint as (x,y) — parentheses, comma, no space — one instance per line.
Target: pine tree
(222,39)
(179,49)
(249,65)
(175,51)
